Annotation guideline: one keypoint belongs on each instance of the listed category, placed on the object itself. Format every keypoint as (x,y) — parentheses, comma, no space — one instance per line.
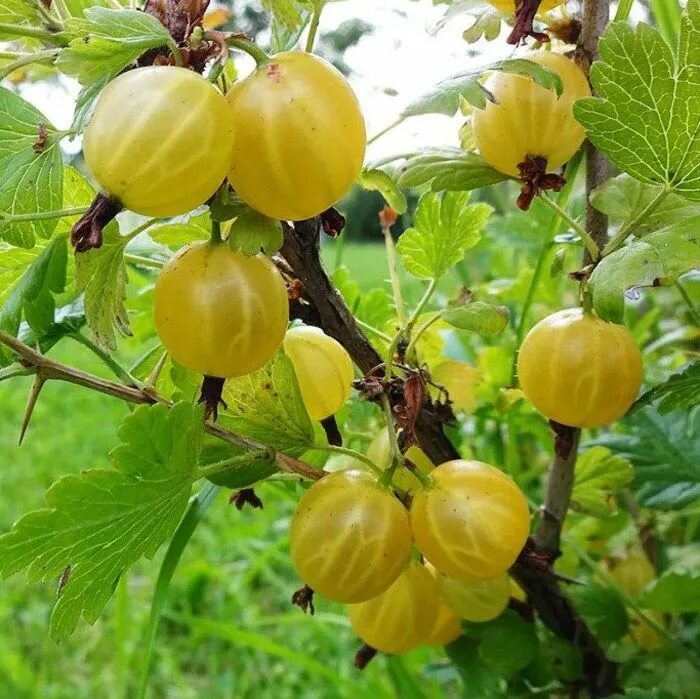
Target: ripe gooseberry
(300,136)
(160,140)
(379,451)
(481,600)
(350,537)
(323,369)
(401,618)
(525,119)
(219,312)
(471,522)
(579,370)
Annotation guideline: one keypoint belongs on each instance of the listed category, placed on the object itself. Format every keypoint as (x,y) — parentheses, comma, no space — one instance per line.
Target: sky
(400,56)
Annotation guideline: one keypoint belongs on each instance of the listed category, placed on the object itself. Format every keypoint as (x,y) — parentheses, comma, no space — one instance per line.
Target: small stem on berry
(588,241)
(250,48)
(313,27)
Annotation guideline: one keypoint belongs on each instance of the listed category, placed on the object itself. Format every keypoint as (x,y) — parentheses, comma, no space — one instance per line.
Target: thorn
(34,392)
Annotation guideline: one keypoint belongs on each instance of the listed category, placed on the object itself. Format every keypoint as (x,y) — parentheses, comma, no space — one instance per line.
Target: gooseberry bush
(495,452)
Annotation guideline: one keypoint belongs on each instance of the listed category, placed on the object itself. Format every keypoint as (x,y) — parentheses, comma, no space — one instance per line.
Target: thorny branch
(48,369)
(326,308)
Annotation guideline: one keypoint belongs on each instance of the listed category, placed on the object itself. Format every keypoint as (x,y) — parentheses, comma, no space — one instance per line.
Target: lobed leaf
(645,116)
(680,392)
(31,179)
(98,524)
(665,452)
(267,406)
(599,474)
(252,232)
(444,228)
(101,275)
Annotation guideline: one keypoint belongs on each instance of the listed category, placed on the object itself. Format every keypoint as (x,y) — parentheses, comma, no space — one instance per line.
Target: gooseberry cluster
(219,312)
(409,575)
(412,551)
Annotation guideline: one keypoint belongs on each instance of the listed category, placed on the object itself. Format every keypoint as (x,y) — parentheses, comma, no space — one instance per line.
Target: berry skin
(579,370)
(529,120)
(160,140)
(218,312)
(472,522)
(403,617)
(300,136)
(478,601)
(323,369)
(350,538)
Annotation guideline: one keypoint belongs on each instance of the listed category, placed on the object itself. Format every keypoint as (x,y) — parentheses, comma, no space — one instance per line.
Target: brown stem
(553,606)
(301,250)
(51,369)
(560,482)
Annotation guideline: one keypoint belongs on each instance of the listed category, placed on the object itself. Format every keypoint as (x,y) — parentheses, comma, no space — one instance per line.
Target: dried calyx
(525,12)
(87,232)
(210,396)
(536,179)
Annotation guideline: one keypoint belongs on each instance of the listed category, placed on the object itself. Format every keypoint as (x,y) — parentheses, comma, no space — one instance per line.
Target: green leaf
(623,198)
(267,406)
(508,643)
(176,234)
(252,232)
(665,453)
(603,610)
(445,97)
(447,169)
(599,474)
(287,13)
(103,521)
(380,181)
(680,392)
(19,12)
(32,297)
(673,593)
(30,180)
(561,659)
(479,681)
(645,115)
(107,41)
(443,229)
(656,260)
(479,317)
(32,276)
(101,274)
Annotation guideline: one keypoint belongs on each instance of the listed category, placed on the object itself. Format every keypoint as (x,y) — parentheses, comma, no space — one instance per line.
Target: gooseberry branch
(49,369)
